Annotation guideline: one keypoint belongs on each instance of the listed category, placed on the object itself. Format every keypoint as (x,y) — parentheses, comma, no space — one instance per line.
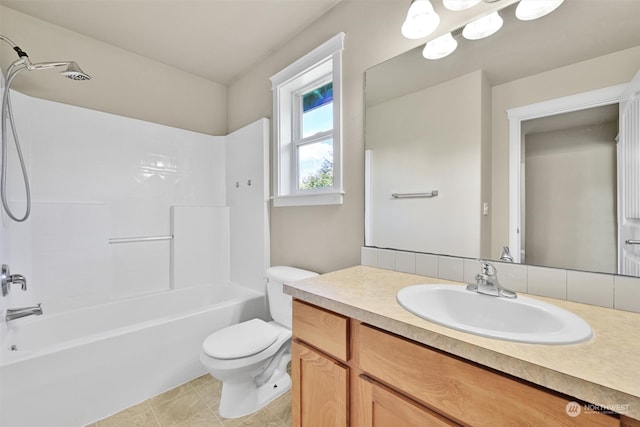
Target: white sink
(514,319)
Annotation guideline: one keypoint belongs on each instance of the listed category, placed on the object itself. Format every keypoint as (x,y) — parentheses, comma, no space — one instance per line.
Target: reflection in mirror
(442,125)
(569,168)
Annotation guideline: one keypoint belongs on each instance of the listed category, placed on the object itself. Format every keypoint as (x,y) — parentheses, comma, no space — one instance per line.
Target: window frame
(322,64)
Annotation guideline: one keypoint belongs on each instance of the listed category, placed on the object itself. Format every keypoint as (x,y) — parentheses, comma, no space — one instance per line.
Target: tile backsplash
(605,290)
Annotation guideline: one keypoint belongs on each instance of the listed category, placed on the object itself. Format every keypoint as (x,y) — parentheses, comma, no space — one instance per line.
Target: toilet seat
(251,358)
(240,340)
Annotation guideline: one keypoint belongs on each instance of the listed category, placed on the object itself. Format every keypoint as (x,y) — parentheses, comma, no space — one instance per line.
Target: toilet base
(242,399)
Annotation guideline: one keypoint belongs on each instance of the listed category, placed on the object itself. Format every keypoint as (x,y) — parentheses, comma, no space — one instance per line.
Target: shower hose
(7,113)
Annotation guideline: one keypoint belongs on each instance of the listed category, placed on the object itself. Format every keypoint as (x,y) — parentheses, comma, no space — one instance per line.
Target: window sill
(309,199)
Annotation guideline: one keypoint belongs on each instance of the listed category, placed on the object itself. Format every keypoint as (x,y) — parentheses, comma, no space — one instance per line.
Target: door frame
(581,101)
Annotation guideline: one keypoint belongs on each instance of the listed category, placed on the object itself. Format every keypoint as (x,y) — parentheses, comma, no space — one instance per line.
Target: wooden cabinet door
(465,392)
(380,406)
(629,422)
(320,389)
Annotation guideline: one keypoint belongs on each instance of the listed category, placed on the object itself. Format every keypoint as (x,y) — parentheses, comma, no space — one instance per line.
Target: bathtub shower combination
(148,240)
(79,366)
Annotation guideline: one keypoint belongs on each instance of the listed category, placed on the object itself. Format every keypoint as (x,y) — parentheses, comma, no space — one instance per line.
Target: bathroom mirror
(440,128)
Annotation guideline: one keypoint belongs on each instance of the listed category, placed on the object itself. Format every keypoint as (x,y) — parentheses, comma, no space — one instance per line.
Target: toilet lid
(240,340)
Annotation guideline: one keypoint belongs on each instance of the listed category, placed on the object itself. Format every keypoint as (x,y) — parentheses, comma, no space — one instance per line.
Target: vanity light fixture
(421,20)
(528,10)
(483,27)
(440,47)
(459,4)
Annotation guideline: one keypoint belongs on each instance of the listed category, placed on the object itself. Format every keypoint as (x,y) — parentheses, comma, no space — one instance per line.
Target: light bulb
(483,27)
(528,10)
(421,20)
(440,47)
(459,4)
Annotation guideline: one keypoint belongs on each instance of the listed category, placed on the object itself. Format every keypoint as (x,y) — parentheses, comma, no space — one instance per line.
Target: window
(307,128)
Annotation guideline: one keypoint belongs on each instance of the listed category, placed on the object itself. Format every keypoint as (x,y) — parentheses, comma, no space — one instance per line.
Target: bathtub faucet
(16,313)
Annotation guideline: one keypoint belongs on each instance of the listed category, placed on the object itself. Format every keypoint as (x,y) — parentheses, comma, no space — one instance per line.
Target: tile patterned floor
(195,404)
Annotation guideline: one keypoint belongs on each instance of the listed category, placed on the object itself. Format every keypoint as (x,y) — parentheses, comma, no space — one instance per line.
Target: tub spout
(16,313)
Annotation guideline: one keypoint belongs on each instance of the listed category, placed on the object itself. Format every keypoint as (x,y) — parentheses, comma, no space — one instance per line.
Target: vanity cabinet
(349,373)
(461,390)
(319,354)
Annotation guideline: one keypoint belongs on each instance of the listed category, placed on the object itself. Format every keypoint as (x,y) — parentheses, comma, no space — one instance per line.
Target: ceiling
(213,39)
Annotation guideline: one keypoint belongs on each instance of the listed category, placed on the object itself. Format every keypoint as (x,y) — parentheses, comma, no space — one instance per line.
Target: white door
(629,181)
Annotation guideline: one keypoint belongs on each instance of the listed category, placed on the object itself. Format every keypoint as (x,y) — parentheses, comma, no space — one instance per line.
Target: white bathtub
(73,368)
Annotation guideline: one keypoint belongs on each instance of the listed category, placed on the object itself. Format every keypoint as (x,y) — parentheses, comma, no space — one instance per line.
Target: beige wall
(570,183)
(122,83)
(486,168)
(319,238)
(325,238)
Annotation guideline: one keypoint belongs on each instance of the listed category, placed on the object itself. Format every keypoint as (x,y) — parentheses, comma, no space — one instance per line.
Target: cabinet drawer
(462,391)
(322,329)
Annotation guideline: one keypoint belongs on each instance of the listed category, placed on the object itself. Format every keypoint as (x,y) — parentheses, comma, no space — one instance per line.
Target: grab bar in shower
(113,240)
(433,193)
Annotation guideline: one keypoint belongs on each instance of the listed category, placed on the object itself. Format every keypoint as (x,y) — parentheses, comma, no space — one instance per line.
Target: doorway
(568,200)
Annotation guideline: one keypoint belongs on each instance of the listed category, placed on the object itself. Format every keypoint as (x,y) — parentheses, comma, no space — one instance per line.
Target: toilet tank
(279,302)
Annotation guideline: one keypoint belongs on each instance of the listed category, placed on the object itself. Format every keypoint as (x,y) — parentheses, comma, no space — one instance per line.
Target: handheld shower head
(74,72)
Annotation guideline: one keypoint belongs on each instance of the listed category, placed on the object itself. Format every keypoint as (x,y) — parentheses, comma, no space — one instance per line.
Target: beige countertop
(604,371)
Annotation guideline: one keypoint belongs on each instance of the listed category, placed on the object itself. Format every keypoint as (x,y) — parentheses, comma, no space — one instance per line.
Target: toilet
(251,358)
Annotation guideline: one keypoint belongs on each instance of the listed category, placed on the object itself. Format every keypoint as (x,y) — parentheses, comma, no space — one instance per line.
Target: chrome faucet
(10,279)
(506,254)
(487,283)
(16,313)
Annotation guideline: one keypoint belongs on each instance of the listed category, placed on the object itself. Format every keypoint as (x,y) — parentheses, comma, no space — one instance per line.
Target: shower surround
(125,210)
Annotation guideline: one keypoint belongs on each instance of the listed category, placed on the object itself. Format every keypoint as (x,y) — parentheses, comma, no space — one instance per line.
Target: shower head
(74,72)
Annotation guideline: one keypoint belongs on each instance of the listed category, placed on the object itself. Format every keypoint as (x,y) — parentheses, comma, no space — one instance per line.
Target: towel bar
(113,240)
(433,193)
